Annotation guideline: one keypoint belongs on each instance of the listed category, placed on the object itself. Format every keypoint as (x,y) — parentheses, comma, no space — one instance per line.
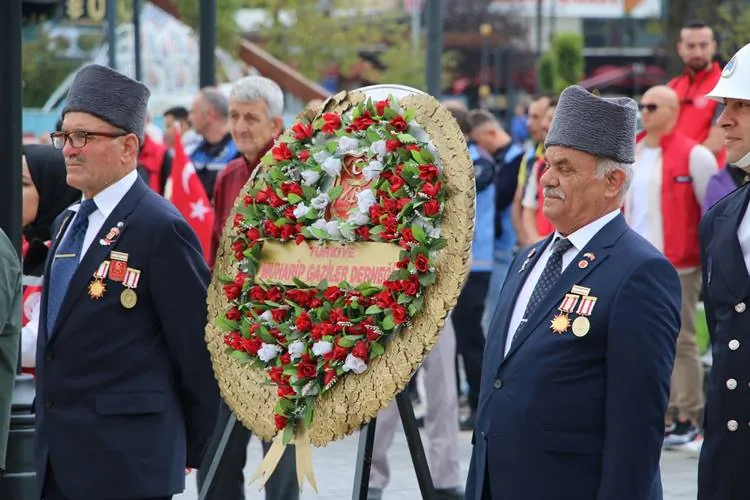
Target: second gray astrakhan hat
(603,127)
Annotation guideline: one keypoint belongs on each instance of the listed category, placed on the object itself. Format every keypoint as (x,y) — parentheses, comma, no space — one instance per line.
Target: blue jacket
(565,417)
(126,398)
(506,183)
(484,225)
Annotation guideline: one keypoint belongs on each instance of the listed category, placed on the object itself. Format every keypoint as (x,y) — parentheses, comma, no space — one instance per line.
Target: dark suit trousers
(282,485)
(51,490)
(467,321)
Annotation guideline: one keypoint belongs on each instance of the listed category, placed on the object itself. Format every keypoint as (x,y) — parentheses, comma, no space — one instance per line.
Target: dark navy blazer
(563,417)
(126,398)
(722,470)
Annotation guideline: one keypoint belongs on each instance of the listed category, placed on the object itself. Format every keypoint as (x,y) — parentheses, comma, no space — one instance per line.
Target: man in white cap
(725,251)
(575,379)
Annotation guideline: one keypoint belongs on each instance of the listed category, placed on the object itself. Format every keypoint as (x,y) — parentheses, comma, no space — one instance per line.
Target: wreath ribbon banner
(342,257)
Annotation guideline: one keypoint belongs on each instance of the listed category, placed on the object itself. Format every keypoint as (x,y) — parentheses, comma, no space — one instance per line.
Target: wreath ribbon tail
(304,458)
(270,461)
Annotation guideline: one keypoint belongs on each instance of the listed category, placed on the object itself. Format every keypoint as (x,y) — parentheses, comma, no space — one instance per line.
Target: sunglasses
(650,107)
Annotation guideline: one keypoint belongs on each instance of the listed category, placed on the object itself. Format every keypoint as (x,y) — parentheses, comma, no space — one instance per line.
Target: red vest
(543,226)
(681,213)
(696,111)
(151,158)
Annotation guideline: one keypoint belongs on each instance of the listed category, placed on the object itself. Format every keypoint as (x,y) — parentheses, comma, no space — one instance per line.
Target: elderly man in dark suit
(126,398)
(575,380)
(725,258)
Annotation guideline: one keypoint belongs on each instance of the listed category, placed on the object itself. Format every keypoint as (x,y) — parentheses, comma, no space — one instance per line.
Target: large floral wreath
(309,335)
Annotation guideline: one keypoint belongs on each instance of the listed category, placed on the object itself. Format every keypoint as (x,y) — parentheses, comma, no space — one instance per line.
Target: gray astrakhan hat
(603,127)
(110,96)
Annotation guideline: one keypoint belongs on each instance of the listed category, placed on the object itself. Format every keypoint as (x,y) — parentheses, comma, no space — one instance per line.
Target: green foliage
(43,69)
(227,30)
(562,64)
(547,69)
(734,27)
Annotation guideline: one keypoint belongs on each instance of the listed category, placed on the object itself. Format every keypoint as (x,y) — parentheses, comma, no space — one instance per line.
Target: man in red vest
(671,173)
(698,114)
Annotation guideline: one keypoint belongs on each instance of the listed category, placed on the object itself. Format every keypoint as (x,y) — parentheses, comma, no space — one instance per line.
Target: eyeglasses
(650,107)
(79,138)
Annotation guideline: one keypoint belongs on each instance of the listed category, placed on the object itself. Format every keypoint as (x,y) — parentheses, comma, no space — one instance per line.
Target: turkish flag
(189,196)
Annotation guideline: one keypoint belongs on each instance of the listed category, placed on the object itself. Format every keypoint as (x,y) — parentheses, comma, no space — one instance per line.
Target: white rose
(319,140)
(310,177)
(433,232)
(321,201)
(358,218)
(347,145)
(365,199)
(354,364)
(310,389)
(268,351)
(372,170)
(320,224)
(321,348)
(418,132)
(267,317)
(296,349)
(301,210)
(378,147)
(333,228)
(332,166)
(321,156)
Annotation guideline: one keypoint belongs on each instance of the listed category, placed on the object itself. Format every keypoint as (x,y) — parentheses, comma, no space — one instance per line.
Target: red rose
(302,131)
(304,323)
(358,329)
(372,335)
(284,390)
(362,122)
(361,350)
(399,314)
(306,370)
(269,228)
(274,295)
(384,299)
(411,287)
(298,296)
(285,359)
(233,340)
(275,200)
(431,208)
(392,145)
(340,353)
(238,247)
(303,155)
(391,223)
(257,294)
(232,291)
(291,188)
(253,234)
(322,330)
(412,147)
(282,152)
(276,375)
(279,315)
(332,123)
(315,303)
(393,286)
(430,190)
(251,345)
(337,316)
(261,197)
(234,314)
(428,172)
(238,220)
(399,124)
(329,376)
(422,263)
(408,235)
(288,231)
(376,212)
(403,263)
(363,232)
(332,294)
(280,421)
(299,239)
(289,213)
(381,106)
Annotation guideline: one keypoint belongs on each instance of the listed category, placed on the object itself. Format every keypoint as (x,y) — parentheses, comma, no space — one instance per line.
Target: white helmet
(735,84)
(735,78)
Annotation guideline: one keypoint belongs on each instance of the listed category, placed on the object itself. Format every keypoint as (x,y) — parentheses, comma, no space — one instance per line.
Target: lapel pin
(118,265)
(583,264)
(590,256)
(527,260)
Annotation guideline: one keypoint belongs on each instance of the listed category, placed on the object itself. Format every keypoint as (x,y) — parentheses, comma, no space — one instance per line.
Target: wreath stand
(229,439)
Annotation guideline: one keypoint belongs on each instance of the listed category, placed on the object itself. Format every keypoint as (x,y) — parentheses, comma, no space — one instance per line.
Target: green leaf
(389,114)
(290,370)
(376,349)
(272,303)
(403,299)
(288,433)
(388,322)
(268,159)
(293,198)
(319,233)
(373,309)
(412,310)
(309,192)
(241,356)
(417,156)
(377,229)
(225,325)
(439,244)
(265,336)
(348,341)
(419,233)
(406,138)
(370,291)
(331,146)
(335,192)
(427,279)
(323,285)
(309,409)
(372,135)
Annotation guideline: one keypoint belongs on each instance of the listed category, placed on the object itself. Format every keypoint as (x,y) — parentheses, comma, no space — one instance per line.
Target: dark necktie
(66,260)
(547,279)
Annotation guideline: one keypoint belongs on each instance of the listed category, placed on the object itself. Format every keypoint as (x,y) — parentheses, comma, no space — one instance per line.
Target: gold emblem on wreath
(560,324)
(97,289)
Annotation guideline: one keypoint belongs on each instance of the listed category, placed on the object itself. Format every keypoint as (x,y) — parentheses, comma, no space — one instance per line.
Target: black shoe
(449,494)
(468,423)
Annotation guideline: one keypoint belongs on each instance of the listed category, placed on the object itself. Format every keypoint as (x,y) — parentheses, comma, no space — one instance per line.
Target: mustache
(554,193)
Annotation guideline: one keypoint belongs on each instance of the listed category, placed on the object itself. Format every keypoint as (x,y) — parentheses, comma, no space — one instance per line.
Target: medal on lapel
(128,297)
(97,287)
(112,235)
(561,322)
(527,260)
(118,266)
(582,325)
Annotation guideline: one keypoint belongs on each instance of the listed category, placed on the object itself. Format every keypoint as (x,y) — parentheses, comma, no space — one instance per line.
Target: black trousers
(51,490)
(467,321)
(282,485)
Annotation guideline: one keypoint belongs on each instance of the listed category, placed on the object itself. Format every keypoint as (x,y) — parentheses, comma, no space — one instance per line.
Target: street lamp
(485,30)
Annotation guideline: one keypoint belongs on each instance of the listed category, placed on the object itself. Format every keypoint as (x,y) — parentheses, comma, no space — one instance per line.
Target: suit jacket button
(740,307)
(732,425)
(498,384)
(734,344)
(731,384)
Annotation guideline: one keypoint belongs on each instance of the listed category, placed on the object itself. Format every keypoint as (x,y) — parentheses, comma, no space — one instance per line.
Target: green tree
(562,64)
(227,30)
(43,68)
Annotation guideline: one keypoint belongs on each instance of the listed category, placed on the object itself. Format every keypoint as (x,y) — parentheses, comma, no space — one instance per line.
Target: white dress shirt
(743,234)
(105,201)
(579,239)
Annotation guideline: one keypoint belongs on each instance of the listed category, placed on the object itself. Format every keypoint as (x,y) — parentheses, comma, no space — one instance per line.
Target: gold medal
(560,324)
(128,298)
(97,289)
(581,326)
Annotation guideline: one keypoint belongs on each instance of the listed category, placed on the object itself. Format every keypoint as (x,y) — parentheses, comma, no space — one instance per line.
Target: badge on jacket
(580,301)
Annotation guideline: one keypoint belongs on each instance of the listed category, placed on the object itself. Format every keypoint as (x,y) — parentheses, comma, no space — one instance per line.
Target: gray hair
(215,100)
(605,166)
(251,88)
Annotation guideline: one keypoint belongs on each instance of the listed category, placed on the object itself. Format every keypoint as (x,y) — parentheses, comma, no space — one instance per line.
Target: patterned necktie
(547,279)
(66,261)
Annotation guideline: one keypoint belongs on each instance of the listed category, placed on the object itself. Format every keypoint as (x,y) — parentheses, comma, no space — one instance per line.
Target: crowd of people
(559,395)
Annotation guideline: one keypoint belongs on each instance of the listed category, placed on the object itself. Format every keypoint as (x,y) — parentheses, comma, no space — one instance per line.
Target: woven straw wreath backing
(355,399)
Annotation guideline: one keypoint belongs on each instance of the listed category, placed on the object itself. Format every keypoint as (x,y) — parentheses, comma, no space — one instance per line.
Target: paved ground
(334,470)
